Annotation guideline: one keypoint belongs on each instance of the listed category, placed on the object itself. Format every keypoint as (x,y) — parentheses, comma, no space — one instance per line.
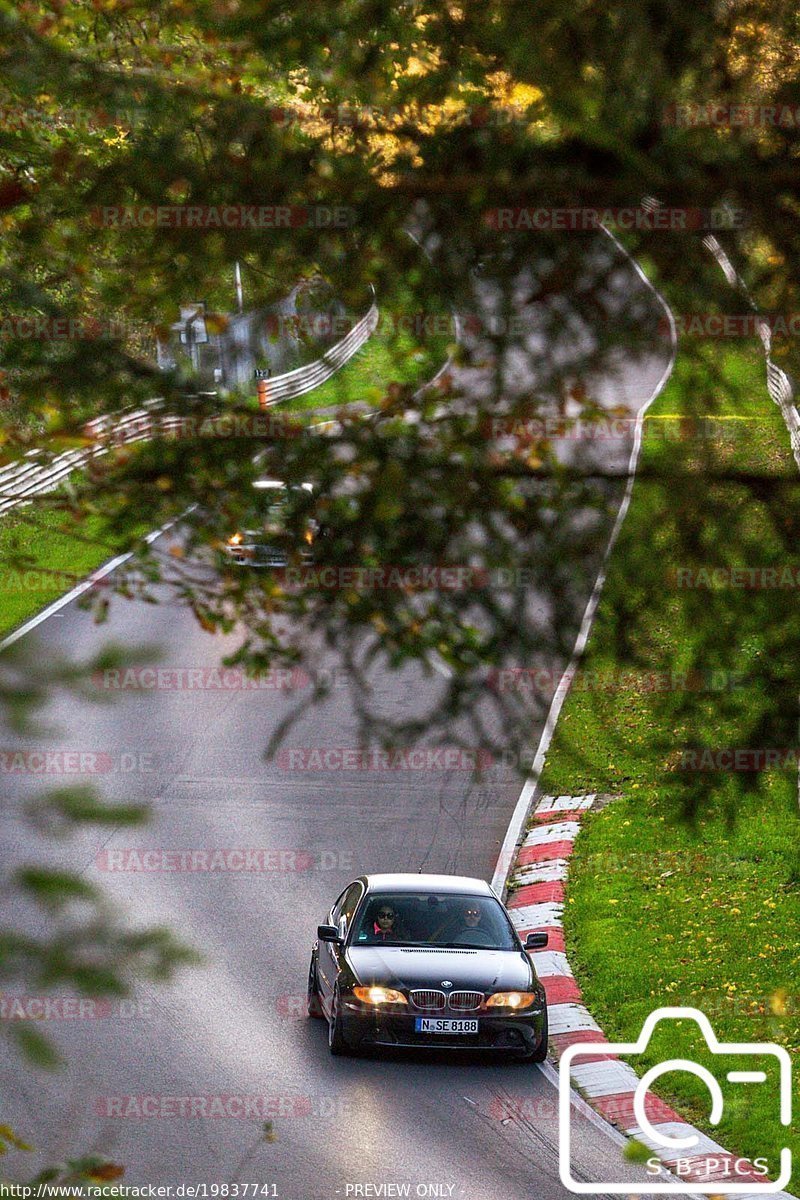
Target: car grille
(466,1001)
(431,1001)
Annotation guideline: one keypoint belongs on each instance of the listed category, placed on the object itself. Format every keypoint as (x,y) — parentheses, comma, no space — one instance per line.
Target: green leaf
(36,1047)
(54,889)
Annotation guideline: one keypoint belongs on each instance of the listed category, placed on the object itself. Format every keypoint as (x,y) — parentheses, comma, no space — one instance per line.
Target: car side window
(350,903)
(336,911)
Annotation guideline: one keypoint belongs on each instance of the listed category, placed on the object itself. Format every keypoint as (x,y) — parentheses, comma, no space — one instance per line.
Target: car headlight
(234,539)
(513,1000)
(379,995)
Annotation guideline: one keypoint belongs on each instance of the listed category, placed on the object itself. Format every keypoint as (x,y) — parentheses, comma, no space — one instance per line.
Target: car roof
(274,485)
(458,884)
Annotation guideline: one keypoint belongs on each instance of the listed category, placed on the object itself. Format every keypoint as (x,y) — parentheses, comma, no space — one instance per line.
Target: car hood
(476,970)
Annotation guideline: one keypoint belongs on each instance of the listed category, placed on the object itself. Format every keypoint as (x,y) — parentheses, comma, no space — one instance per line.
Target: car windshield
(435,920)
(272,503)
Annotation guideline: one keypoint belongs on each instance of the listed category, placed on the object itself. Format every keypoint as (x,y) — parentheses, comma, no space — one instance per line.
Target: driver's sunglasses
(472,912)
(386,913)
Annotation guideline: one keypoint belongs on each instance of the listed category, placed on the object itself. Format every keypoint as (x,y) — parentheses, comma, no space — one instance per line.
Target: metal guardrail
(32,476)
(21,481)
(778,383)
(313,375)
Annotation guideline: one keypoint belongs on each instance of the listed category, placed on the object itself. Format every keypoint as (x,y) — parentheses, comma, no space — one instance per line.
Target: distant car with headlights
(426,961)
(268,543)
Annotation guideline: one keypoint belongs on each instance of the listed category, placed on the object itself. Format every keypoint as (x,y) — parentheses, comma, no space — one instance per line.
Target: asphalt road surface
(230,1036)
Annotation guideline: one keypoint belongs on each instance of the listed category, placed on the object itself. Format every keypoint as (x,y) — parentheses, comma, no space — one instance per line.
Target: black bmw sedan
(426,961)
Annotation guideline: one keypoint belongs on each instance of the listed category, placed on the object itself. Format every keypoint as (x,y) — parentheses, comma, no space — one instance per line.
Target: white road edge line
(82,587)
(507,855)
(523,805)
(550,1073)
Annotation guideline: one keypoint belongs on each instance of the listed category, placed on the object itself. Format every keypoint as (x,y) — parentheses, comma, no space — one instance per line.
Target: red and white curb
(536,904)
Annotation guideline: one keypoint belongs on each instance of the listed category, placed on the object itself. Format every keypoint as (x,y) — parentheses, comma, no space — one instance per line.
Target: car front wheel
(540,1053)
(313,1006)
(336,1039)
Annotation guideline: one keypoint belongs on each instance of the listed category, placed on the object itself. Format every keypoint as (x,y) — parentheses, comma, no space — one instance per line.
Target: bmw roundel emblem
(447,983)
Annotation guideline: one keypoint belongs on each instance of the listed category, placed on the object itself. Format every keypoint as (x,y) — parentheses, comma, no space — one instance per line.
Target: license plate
(444,1025)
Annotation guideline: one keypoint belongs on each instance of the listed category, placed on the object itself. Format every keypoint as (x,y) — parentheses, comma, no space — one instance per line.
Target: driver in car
(470,918)
(460,925)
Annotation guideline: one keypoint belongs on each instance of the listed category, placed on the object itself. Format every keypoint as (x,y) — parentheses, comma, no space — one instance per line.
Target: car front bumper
(513,1033)
(256,556)
(262,556)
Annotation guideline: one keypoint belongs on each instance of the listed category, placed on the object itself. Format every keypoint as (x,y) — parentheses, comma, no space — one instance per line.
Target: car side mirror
(329,933)
(536,941)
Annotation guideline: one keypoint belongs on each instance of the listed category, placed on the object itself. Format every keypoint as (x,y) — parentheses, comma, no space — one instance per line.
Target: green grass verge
(407,348)
(388,357)
(43,553)
(685,890)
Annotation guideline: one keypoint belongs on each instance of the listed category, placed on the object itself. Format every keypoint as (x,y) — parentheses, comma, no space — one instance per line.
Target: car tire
(337,1044)
(313,1005)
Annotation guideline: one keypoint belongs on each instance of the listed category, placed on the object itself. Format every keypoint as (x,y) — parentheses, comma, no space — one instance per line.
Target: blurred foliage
(91,1169)
(66,937)
(412,117)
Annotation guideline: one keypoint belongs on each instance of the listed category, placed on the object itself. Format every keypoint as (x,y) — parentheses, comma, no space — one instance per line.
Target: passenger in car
(384,925)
